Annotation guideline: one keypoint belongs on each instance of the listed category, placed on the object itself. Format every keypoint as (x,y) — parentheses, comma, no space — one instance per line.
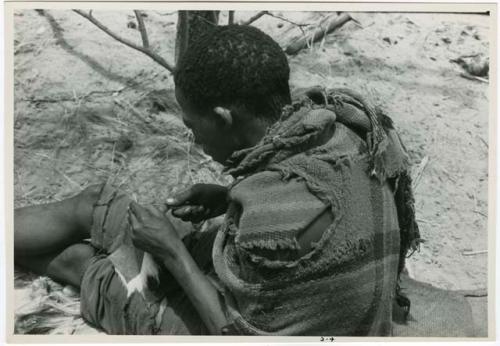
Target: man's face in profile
(210,130)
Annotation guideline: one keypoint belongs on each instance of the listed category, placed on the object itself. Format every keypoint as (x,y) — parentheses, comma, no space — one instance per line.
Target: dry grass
(134,146)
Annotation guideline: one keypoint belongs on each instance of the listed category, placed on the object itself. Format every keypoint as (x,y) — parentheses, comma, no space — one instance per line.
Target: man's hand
(199,202)
(153,232)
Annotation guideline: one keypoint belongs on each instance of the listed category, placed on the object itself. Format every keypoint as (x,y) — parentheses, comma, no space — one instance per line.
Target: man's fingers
(188,210)
(134,222)
(182,211)
(141,213)
(154,211)
(196,211)
(136,209)
(180,198)
(191,213)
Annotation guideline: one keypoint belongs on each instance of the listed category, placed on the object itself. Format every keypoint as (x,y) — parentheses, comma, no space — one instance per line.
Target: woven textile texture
(344,154)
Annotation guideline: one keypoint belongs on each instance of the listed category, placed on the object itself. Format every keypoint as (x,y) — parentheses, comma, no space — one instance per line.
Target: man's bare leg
(66,266)
(46,236)
(46,228)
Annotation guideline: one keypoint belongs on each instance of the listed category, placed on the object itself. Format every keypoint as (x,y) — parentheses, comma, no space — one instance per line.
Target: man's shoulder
(272,189)
(274,213)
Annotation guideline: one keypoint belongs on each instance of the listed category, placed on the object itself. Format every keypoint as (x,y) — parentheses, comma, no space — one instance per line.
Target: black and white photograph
(265,172)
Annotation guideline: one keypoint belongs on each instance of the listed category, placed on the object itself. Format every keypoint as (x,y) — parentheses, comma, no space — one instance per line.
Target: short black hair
(235,64)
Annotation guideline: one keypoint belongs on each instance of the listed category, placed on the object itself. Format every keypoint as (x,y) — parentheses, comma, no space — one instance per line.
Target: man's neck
(253,131)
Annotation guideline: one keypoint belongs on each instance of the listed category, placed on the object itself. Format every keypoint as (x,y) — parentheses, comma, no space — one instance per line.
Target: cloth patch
(274,211)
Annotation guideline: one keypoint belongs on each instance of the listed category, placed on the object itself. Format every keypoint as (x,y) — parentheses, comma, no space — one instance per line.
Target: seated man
(317,225)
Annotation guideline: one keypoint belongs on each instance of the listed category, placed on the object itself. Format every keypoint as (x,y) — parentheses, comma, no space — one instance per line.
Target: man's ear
(225,116)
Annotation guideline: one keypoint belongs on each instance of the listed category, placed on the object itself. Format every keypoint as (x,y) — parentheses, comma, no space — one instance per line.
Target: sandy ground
(89,109)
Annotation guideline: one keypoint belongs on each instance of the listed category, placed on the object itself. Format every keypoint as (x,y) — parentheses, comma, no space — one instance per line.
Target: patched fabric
(388,157)
(124,291)
(110,222)
(346,284)
(111,233)
(275,211)
(105,304)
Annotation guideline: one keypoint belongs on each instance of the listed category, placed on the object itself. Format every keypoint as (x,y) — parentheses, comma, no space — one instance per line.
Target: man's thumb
(180,198)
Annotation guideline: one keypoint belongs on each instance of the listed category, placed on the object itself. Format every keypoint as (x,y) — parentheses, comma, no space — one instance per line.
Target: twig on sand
(471,77)
(480,213)
(254,18)
(473,253)
(448,175)
(67,178)
(477,293)
(424,221)
(143,118)
(143,49)
(357,23)
(326,27)
(142,29)
(464,57)
(300,25)
(263,13)
(419,171)
(126,105)
(483,141)
(75,311)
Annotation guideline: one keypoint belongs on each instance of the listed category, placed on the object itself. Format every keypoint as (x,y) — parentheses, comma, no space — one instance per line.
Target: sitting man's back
(311,242)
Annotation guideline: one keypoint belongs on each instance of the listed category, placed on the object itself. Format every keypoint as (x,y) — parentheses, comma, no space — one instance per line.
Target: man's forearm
(201,292)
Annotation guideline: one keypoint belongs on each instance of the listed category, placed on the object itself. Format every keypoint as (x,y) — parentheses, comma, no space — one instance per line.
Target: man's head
(232,84)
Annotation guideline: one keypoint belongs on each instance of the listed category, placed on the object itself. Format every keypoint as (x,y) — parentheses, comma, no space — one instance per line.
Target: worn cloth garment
(123,291)
(343,156)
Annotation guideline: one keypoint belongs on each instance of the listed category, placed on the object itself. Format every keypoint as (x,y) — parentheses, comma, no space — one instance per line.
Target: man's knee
(85,202)
(70,265)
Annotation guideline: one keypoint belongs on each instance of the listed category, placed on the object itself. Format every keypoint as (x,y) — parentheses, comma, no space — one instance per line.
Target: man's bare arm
(200,290)
(154,233)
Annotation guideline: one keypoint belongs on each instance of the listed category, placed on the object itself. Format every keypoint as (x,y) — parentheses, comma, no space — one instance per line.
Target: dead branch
(145,50)
(477,293)
(325,28)
(471,77)
(211,21)
(254,18)
(300,25)
(480,213)
(142,29)
(483,141)
(263,13)
(144,120)
(357,23)
(473,253)
(419,171)
(448,175)
(230,19)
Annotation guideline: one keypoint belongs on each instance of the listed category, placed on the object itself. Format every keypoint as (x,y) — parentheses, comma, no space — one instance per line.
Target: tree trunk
(189,25)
